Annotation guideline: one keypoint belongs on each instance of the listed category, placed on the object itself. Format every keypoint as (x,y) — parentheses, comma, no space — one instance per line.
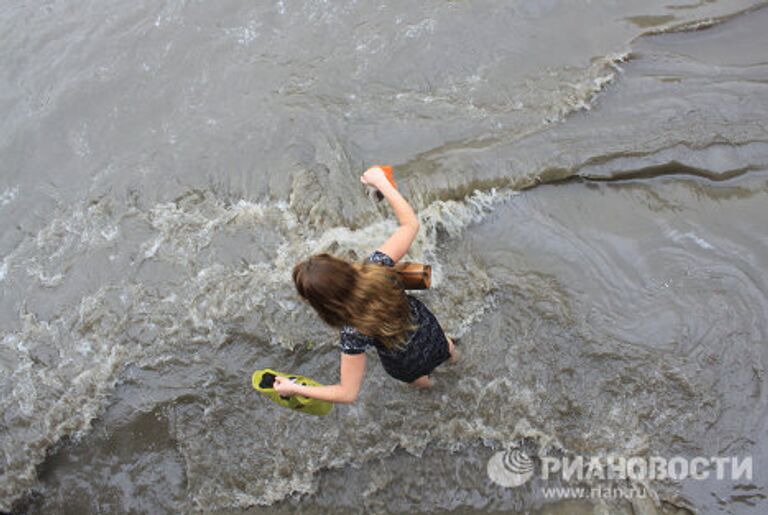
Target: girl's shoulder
(380,258)
(353,341)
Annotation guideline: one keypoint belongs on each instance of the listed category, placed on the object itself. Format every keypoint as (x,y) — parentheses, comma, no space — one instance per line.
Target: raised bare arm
(399,242)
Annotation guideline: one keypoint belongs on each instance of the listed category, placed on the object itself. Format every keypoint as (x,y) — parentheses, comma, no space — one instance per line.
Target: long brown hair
(367,296)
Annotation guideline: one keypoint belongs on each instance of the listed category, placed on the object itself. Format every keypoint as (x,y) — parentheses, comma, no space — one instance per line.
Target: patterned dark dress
(426,347)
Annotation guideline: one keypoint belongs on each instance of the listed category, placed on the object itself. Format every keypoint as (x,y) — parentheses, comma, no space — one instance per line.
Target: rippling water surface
(591,179)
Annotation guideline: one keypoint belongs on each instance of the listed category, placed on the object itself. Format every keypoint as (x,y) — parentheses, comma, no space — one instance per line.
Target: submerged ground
(591,179)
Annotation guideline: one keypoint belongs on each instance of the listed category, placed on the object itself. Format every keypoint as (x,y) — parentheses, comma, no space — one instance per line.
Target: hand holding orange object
(375,177)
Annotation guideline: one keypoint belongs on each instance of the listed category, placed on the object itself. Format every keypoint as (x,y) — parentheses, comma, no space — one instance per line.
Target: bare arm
(399,242)
(352,373)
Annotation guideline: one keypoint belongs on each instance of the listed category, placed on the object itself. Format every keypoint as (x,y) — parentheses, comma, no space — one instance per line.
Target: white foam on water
(551,97)
(691,236)
(702,23)
(581,95)
(426,26)
(150,249)
(53,399)
(8,195)
(87,369)
(86,227)
(246,35)
(3,268)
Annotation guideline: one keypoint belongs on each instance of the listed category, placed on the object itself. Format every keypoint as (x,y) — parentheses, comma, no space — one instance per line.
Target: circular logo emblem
(510,468)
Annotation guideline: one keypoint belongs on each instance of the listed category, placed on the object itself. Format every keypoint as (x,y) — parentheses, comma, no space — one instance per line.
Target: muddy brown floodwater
(592,182)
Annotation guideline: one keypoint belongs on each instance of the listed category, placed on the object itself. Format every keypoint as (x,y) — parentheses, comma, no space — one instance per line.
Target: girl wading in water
(367,303)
